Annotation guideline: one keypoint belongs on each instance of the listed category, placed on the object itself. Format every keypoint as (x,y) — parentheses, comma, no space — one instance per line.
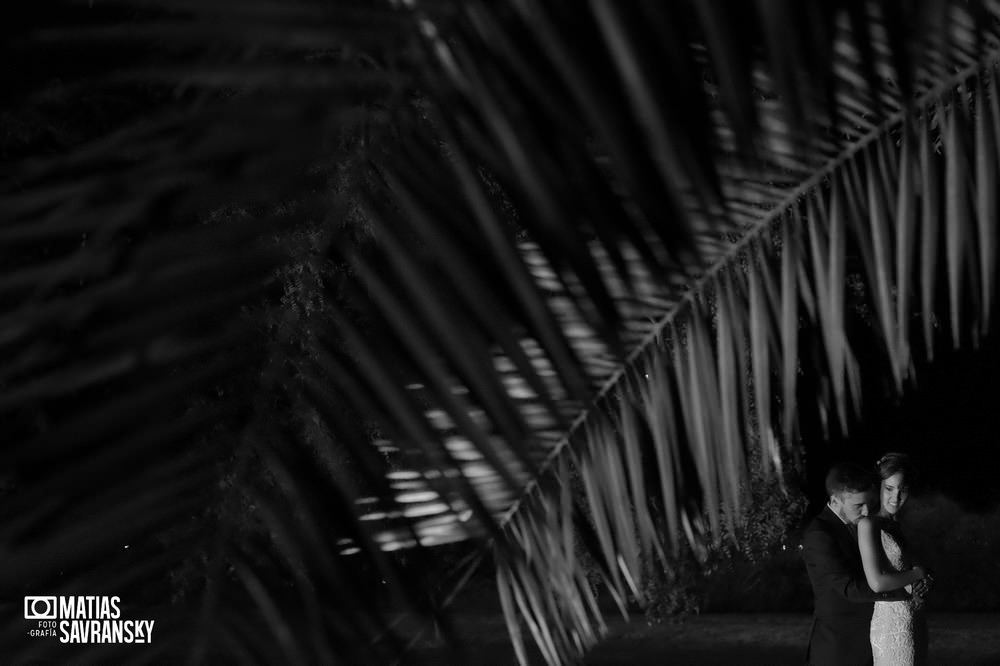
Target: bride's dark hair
(892,463)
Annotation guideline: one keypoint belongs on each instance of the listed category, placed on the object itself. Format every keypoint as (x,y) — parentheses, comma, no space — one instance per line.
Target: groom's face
(851,507)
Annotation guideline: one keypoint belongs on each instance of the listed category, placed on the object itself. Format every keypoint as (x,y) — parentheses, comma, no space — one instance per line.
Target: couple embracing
(868,593)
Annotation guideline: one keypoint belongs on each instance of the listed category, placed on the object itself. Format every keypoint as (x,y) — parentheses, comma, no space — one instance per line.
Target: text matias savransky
(85,619)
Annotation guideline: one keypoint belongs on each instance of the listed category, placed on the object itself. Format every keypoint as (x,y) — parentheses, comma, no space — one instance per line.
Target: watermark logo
(40,608)
(84,619)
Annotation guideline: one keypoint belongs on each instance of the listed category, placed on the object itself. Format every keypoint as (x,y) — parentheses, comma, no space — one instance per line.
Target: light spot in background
(402,474)
(416,496)
(477,470)
(425,510)
(439,419)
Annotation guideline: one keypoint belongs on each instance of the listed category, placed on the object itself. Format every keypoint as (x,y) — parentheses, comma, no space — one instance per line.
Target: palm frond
(855,200)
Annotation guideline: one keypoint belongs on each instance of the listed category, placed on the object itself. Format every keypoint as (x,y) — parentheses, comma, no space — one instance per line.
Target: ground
(771,639)
(732,639)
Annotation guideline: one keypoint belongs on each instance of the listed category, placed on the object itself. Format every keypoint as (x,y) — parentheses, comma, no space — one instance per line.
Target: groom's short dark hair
(848,477)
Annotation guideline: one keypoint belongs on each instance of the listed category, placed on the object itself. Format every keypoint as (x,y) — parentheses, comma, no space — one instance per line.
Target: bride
(898,628)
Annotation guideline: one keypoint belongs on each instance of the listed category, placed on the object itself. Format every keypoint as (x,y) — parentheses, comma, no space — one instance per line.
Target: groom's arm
(827,565)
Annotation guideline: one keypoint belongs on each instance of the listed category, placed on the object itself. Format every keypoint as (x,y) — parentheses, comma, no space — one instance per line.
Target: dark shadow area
(947,420)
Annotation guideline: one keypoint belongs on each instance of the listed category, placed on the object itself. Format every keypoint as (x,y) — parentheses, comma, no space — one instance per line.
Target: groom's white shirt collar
(835,513)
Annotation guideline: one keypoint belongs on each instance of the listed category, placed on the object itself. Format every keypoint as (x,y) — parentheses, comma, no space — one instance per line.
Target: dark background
(947,419)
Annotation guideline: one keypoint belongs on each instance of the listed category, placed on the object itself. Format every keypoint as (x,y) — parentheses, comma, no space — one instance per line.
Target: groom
(843,600)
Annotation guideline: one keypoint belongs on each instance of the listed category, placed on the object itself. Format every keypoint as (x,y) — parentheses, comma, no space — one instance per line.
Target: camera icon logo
(40,608)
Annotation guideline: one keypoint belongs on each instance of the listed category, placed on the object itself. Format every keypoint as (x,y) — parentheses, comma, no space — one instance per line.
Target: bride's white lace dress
(899,628)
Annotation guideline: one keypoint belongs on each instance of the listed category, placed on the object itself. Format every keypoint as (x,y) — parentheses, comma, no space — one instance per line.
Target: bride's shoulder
(880,524)
(871,524)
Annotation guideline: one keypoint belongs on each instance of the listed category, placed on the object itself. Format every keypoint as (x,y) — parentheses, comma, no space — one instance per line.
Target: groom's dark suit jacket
(843,600)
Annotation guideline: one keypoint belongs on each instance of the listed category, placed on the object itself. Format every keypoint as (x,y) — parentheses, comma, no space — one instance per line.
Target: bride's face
(894,493)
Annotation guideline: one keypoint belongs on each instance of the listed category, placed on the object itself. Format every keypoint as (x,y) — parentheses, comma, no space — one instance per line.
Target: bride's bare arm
(877,571)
